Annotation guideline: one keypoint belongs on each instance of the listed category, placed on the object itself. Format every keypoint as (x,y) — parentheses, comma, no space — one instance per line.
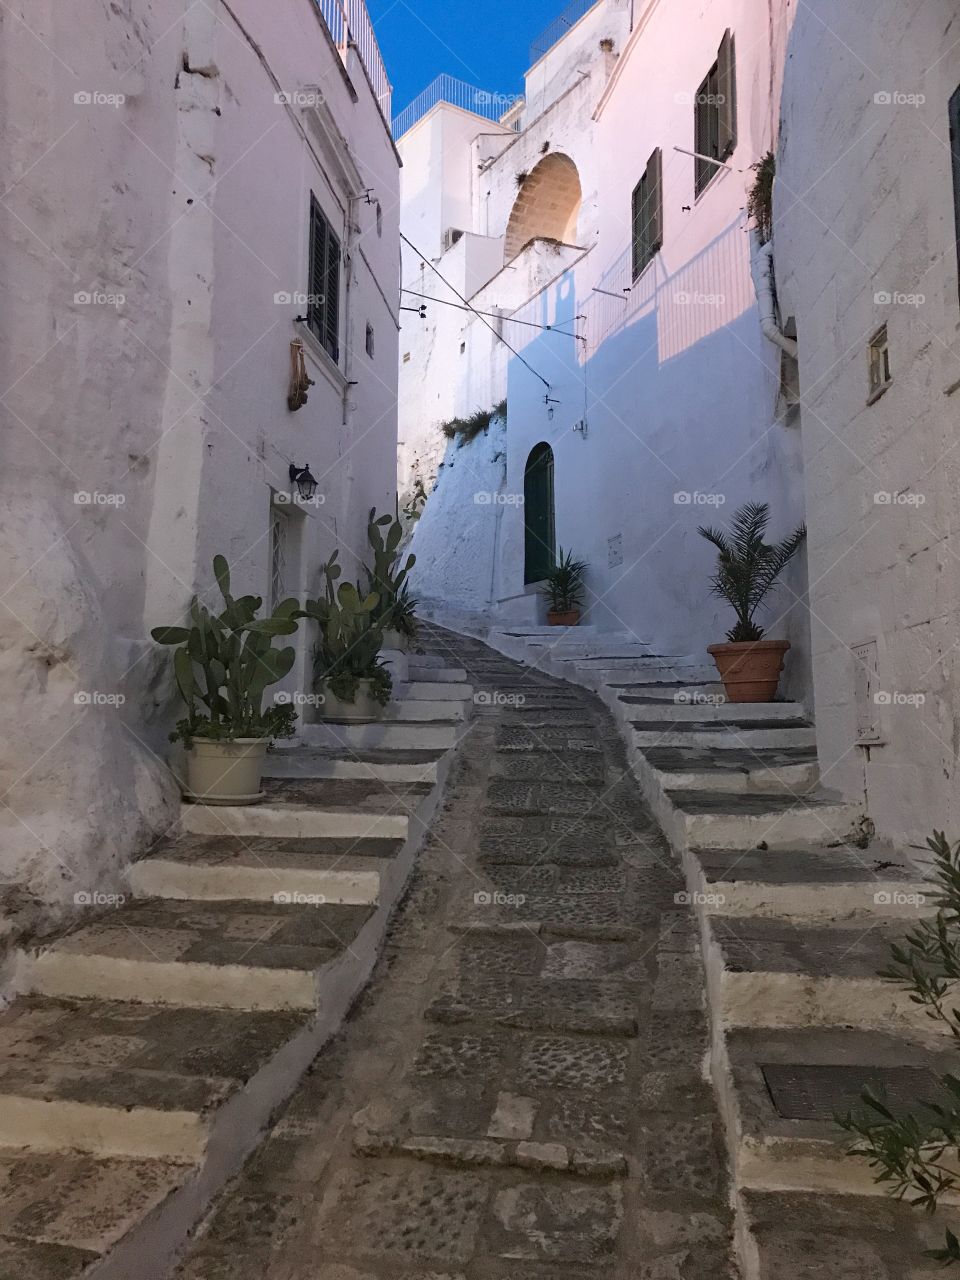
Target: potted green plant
(747,569)
(223,663)
(395,613)
(564,590)
(348,671)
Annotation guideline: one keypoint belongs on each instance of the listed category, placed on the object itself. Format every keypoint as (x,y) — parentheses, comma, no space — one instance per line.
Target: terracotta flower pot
(569,618)
(226,772)
(750,670)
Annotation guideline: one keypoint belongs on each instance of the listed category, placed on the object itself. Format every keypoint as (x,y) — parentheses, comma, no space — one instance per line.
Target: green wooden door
(540,544)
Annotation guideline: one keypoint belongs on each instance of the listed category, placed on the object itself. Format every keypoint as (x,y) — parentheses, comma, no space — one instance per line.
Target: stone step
(734,734)
(776,973)
(791,769)
(314,807)
(214,868)
(574,1159)
(782,1090)
(675,677)
(69,1214)
(386,735)
(522,633)
(229,955)
(729,820)
(133,1080)
(666,690)
(331,762)
(841,1237)
(708,707)
(421,711)
(438,691)
(420,669)
(824,885)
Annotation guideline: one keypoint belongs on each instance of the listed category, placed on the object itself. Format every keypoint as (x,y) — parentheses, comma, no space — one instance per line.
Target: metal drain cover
(820,1093)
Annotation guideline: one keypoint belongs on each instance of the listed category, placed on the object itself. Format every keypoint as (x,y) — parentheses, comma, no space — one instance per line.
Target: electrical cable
(445,302)
(478,314)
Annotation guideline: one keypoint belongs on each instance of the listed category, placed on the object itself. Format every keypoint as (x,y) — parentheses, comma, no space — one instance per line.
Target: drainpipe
(764,282)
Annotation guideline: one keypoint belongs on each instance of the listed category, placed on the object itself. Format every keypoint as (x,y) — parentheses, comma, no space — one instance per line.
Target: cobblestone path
(520,1092)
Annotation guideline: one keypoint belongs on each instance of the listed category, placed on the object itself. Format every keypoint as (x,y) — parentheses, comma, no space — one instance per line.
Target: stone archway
(548,205)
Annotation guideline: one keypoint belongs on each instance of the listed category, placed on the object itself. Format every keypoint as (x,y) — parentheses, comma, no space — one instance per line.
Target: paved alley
(520,1091)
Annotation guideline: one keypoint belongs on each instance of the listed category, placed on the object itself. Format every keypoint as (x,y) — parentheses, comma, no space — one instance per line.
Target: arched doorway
(548,205)
(539,535)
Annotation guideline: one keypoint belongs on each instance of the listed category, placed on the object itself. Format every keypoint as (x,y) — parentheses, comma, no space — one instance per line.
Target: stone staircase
(149,1045)
(797,908)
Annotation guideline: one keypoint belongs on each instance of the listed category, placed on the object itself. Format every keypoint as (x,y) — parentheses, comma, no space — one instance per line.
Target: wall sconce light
(549,402)
(306,484)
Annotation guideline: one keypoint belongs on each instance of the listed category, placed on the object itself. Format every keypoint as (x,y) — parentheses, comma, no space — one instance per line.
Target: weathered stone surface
(683,1155)
(556,1222)
(574,1062)
(502,1116)
(566,1005)
(418,1215)
(513,1117)
(542,1155)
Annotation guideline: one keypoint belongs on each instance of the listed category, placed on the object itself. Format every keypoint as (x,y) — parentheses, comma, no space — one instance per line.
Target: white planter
(226,772)
(363,710)
(396,641)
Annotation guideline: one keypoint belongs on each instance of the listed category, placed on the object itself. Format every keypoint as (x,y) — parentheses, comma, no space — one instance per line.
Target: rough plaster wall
(168,406)
(679,387)
(82,385)
(864,213)
(455,539)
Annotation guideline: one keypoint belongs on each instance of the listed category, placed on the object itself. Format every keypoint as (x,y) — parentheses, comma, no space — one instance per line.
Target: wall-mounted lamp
(549,402)
(306,484)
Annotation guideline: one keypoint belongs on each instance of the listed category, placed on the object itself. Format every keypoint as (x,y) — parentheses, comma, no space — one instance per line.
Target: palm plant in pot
(223,663)
(564,590)
(348,670)
(395,613)
(747,570)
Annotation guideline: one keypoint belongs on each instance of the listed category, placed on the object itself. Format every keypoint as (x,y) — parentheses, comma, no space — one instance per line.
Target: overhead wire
(478,314)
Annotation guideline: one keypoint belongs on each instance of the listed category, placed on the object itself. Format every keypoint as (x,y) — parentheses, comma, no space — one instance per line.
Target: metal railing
(559,27)
(459,94)
(349,24)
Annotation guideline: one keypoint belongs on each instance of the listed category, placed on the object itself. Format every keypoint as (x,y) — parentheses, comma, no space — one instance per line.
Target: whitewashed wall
(177,197)
(865,236)
(677,384)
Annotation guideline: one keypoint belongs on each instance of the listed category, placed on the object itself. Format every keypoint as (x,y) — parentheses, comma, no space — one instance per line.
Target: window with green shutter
(648,214)
(715,115)
(323,304)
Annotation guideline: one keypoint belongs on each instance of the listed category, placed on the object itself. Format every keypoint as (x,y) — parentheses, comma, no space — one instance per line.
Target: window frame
(878,363)
(646,207)
(715,115)
(323,288)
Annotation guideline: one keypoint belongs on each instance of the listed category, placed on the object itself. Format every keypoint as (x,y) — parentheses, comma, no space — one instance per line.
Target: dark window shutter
(637,239)
(648,214)
(655,201)
(323,309)
(331,338)
(727,96)
(955,152)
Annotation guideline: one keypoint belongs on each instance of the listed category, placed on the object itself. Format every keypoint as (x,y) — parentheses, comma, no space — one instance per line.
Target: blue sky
(485,42)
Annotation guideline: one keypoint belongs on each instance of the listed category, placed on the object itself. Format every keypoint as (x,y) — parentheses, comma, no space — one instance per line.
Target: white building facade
(867,211)
(617,267)
(190,190)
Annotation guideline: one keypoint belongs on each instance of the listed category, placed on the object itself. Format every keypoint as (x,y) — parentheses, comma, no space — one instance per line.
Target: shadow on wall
(680,389)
